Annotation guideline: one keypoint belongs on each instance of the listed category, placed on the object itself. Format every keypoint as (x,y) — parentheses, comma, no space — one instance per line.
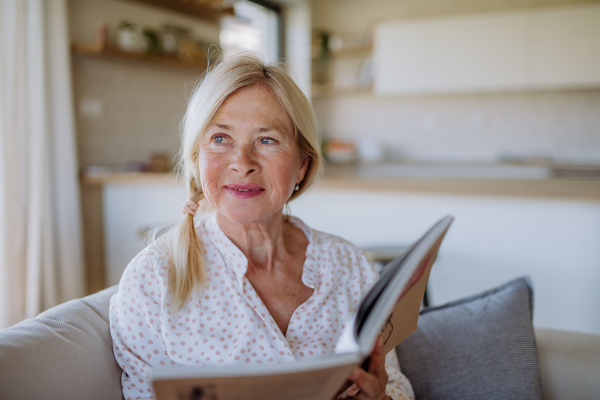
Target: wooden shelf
(111,53)
(343,53)
(334,56)
(347,178)
(354,51)
(318,90)
(131,178)
(191,8)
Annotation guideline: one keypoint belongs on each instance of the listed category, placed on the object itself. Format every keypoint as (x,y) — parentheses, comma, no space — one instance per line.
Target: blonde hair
(186,264)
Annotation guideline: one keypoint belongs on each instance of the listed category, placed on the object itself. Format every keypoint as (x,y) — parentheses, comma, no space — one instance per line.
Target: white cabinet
(521,50)
(478,53)
(566,47)
(400,53)
(129,210)
(492,240)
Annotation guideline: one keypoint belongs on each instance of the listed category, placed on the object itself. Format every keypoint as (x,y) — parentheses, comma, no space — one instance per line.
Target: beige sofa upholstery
(65,353)
(569,364)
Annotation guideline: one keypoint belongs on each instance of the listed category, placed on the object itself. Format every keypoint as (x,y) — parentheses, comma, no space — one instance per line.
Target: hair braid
(186,268)
(195,194)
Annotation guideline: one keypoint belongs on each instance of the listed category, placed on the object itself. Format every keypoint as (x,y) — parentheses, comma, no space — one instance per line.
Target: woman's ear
(304,161)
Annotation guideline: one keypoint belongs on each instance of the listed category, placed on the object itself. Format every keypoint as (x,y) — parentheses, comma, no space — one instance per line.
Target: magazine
(390,309)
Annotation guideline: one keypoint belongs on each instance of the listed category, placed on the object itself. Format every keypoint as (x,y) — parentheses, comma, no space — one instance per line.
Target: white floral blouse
(229,324)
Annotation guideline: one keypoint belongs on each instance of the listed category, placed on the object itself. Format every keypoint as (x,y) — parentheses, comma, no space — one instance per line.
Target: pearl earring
(297,187)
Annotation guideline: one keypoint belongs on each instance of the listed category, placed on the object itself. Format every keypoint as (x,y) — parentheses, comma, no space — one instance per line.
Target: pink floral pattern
(229,324)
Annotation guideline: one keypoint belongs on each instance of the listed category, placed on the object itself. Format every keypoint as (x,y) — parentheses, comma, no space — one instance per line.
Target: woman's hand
(370,385)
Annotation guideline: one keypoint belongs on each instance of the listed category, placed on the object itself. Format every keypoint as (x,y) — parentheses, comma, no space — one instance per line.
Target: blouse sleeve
(398,387)
(135,322)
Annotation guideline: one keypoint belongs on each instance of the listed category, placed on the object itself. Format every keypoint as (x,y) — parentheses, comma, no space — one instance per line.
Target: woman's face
(249,160)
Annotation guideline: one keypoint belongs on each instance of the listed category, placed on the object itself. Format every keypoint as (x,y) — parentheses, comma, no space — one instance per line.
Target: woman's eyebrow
(273,126)
(223,126)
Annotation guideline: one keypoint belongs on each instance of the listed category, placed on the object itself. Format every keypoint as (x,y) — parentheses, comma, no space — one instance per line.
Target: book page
(403,320)
(317,384)
(391,308)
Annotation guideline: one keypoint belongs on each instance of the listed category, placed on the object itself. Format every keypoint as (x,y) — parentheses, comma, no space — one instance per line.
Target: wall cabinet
(521,50)
(566,47)
(478,53)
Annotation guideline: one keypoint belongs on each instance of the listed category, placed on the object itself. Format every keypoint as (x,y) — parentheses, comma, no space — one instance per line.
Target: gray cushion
(63,353)
(481,347)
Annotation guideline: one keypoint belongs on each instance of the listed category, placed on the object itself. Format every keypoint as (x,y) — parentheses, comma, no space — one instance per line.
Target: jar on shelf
(130,38)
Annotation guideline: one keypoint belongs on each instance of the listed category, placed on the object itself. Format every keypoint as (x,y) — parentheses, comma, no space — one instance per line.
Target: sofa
(66,353)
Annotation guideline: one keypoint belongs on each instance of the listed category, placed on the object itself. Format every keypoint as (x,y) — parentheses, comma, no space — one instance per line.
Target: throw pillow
(480,347)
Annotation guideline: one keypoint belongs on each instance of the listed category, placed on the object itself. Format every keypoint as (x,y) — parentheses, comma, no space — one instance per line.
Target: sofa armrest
(64,353)
(569,364)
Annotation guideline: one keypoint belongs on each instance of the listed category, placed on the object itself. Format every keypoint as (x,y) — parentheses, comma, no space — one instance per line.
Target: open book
(390,309)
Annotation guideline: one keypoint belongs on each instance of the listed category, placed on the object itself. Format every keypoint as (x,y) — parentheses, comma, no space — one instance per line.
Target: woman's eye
(218,139)
(267,140)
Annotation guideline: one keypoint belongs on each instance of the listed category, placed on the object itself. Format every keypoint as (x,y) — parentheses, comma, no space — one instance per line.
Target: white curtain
(41,256)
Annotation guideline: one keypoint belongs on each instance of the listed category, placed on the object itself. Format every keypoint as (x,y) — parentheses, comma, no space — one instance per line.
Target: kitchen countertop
(490,180)
(126,178)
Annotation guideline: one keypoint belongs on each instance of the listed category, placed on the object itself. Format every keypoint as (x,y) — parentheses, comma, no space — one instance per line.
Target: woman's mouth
(244,190)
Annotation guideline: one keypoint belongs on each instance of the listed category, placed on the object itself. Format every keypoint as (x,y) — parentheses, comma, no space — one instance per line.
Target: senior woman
(248,285)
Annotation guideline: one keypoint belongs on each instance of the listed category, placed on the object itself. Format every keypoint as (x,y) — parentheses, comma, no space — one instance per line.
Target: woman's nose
(244,160)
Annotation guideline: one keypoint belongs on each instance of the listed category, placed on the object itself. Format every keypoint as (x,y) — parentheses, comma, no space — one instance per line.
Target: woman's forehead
(256,108)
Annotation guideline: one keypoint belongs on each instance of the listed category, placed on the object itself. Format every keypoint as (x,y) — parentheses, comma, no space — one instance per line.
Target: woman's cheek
(211,189)
(284,190)
(210,195)
(209,174)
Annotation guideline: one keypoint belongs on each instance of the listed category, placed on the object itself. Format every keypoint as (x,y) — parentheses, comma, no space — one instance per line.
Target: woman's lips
(244,190)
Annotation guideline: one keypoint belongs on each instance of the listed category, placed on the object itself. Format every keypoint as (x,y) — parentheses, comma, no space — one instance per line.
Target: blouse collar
(239,262)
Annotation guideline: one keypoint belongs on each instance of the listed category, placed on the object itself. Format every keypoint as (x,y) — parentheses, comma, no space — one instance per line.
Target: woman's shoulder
(149,266)
(328,241)
(146,277)
(155,254)
(340,260)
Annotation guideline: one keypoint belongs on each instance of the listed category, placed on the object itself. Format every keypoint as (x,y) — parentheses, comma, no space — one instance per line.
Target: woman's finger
(367,383)
(377,357)
(377,364)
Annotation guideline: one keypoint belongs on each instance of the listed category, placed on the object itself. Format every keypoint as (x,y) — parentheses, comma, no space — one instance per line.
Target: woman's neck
(263,243)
